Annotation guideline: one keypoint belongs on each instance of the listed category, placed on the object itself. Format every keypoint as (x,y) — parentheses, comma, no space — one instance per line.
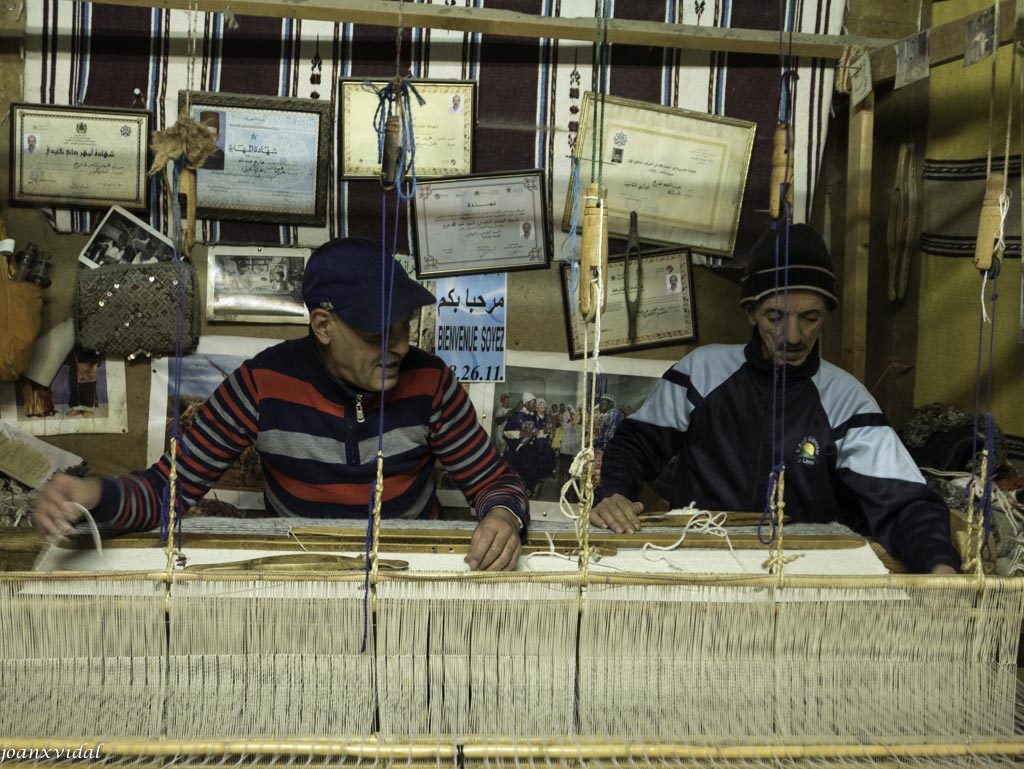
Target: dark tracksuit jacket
(714,409)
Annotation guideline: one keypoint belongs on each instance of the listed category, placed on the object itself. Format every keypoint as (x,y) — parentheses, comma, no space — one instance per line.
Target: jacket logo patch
(807,451)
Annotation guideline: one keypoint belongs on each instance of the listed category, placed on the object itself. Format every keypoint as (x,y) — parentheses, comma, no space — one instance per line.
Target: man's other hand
(495,545)
(618,514)
(54,516)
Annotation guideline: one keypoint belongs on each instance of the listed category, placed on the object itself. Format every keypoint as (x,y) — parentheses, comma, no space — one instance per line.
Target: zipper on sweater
(360,416)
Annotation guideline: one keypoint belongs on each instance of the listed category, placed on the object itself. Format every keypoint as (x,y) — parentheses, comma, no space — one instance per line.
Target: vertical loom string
(979,509)
(599,80)
(170,522)
(386,296)
(772,515)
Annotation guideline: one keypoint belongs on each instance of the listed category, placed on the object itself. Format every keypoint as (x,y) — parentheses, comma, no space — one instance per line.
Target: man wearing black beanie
(733,414)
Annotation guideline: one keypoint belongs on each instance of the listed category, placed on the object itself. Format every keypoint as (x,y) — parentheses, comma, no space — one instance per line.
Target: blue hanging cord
(778,410)
(388,267)
(989,423)
(398,94)
(572,238)
(599,85)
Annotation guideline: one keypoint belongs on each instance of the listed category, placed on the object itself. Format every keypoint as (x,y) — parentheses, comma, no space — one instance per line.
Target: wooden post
(857,248)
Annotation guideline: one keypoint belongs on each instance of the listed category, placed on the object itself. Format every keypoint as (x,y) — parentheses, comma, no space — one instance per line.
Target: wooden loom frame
(575,750)
(859,162)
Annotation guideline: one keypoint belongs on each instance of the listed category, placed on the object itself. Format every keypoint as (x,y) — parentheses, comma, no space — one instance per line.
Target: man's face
(504,400)
(354,356)
(31,143)
(604,404)
(789,324)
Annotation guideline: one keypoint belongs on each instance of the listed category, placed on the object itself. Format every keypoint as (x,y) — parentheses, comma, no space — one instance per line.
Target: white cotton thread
(97,540)
(701,522)
(549,553)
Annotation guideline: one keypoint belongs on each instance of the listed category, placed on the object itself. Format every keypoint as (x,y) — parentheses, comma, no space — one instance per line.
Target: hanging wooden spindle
(782,171)
(392,152)
(989,222)
(594,253)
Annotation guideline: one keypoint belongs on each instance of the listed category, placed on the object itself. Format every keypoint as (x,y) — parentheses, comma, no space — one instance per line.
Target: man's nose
(792,331)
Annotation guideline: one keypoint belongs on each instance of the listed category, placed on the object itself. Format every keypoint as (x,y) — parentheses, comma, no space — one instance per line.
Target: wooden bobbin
(989,222)
(392,152)
(782,172)
(593,253)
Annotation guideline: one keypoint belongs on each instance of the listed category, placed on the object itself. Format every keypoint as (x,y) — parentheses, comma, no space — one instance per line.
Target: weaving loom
(551,664)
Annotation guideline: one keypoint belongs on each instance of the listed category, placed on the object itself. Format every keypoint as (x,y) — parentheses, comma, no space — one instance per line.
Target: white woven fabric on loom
(861,560)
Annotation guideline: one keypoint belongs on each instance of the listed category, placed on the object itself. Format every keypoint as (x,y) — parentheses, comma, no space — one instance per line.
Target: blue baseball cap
(352,277)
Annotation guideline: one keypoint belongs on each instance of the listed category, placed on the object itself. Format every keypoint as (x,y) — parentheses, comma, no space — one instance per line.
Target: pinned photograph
(979,36)
(913,59)
(256,284)
(125,239)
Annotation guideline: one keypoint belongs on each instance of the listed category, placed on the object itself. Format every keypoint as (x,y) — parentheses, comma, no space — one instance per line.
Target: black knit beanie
(809,266)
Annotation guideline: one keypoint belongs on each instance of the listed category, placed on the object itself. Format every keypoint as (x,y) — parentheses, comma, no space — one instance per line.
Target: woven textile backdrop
(92,54)
(960,143)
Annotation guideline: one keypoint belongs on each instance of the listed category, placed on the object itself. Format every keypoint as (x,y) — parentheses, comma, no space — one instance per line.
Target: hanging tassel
(989,223)
(593,252)
(782,172)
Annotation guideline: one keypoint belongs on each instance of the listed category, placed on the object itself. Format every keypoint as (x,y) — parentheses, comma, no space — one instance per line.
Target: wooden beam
(389,13)
(946,43)
(857,246)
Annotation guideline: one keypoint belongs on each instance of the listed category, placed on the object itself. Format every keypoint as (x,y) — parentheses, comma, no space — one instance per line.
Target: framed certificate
(664,304)
(683,172)
(442,127)
(256,284)
(272,158)
(483,223)
(79,156)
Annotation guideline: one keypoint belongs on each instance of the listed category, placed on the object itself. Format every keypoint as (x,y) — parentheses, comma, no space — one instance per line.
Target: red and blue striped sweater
(318,438)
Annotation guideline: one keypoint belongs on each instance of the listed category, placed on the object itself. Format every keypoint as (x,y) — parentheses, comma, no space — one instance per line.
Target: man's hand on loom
(53,516)
(618,514)
(495,545)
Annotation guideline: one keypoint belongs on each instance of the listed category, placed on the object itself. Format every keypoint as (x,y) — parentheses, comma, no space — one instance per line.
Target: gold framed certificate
(79,156)
(442,127)
(664,307)
(683,172)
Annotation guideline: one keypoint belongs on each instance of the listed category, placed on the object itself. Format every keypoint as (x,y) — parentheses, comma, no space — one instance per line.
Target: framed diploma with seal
(661,302)
(481,223)
(442,126)
(79,156)
(683,172)
(272,158)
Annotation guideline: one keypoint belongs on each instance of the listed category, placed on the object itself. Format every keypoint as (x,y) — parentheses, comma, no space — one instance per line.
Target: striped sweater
(318,439)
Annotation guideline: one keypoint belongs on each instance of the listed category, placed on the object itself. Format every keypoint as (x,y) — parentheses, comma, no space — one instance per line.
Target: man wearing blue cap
(318,409)
(714,410)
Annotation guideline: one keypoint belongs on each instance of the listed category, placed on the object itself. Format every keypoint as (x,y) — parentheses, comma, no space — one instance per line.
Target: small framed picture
(79,156)
(481,223)
(272,158)
(661,301)
(122,238)
(256,284)
(442,127)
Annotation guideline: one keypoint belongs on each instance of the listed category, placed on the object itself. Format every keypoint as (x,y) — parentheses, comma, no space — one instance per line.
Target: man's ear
(320,321)
(751,316)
